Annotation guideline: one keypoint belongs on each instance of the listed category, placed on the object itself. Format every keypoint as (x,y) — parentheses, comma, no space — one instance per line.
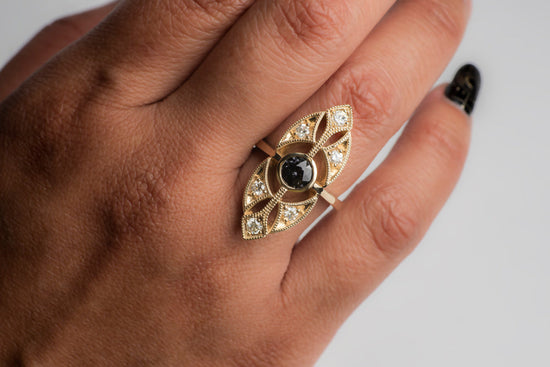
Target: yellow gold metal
(266,148)
(331,199)
(323,138)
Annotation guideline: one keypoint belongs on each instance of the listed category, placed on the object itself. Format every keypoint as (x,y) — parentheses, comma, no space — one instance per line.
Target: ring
(285,187)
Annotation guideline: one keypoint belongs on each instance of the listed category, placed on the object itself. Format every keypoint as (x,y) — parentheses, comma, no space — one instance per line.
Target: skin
(124,158)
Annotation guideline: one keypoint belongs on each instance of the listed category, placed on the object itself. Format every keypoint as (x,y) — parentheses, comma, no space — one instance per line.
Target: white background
(477,290)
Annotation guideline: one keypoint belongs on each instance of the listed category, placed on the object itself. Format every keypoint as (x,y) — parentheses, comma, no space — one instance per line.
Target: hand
(125,156)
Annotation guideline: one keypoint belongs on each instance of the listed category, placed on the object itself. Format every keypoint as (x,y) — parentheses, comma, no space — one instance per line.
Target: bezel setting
(282,181)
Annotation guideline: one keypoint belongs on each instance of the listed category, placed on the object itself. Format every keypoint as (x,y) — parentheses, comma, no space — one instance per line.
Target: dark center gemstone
(297,171)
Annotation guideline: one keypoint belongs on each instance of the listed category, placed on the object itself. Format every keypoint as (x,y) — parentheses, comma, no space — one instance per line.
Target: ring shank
(331,199)
(266,148)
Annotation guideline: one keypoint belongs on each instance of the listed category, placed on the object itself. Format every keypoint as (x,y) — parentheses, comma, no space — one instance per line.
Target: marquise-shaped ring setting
(284,188)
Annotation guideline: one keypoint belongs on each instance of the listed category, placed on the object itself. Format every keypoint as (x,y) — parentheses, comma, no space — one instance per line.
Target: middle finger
(277,55)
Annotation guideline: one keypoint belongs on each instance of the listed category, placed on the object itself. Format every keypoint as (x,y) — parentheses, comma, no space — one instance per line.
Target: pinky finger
(354,249)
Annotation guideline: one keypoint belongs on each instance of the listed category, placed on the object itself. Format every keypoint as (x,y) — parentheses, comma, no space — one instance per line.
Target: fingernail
(464,88)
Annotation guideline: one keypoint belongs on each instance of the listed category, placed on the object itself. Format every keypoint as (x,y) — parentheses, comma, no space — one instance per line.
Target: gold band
(331,199)
(266,148)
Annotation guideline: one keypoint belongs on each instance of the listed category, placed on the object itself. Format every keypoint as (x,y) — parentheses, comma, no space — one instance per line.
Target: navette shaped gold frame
(305,133)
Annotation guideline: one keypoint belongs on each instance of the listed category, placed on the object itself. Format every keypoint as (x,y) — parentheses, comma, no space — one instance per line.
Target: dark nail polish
(464,88)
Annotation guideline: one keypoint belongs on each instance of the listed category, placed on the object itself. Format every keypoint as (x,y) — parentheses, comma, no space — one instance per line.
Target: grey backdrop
(477,290)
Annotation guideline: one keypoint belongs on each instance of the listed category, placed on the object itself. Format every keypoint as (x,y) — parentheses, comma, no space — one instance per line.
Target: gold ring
(310,156)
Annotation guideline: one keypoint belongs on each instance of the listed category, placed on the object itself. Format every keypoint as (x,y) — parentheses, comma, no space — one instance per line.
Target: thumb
(52,39)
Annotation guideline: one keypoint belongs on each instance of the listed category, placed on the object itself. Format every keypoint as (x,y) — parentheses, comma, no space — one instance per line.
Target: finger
(351,252)
(383,89)
(148,48)
(47,43)
(275,57)
(389,75)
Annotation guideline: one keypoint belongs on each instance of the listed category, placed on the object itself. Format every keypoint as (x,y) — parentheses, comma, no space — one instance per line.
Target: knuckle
(447,139)
(372,96)
(311,22)
(50,135)
(446,17)
(394,224)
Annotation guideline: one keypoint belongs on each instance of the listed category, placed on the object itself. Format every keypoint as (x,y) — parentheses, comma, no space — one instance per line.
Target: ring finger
(384,81)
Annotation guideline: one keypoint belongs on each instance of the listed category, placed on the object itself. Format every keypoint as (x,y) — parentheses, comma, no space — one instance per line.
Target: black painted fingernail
(464,88)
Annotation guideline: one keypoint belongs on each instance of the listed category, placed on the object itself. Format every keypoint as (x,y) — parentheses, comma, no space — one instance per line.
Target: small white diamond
(336,157)
(257,188)
(253,226)
(302,131)
(290,214)
(341,117)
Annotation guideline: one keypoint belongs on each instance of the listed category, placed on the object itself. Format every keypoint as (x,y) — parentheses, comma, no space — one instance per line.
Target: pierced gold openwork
(322,142)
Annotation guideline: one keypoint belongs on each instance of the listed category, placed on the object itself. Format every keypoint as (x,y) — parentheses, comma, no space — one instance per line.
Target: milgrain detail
(284,189)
